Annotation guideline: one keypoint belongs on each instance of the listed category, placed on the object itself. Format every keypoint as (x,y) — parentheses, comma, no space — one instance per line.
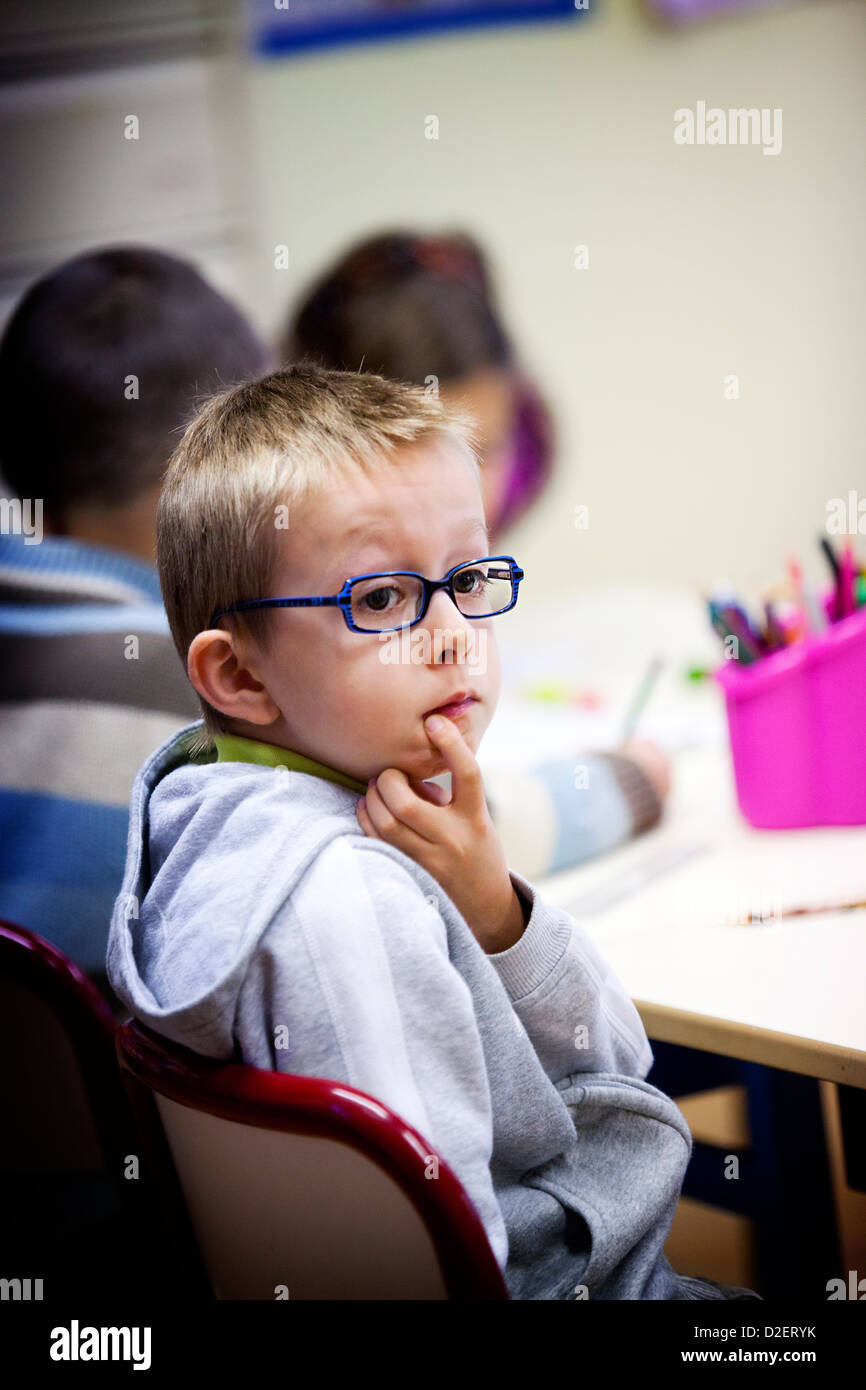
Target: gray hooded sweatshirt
(257,922)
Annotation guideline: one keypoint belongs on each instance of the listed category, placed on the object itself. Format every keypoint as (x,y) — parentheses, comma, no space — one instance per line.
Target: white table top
(790,992)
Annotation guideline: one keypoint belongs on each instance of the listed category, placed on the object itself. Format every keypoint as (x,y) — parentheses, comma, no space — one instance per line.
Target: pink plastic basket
(797,721)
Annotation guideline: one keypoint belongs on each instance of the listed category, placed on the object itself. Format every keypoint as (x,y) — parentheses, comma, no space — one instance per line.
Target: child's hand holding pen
(454,840)
(652,760)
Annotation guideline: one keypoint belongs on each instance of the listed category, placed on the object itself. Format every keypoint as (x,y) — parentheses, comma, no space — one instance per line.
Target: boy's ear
(219,672)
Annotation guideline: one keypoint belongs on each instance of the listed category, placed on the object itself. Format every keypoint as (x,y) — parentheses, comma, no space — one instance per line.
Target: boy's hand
(653,761)
(454,840)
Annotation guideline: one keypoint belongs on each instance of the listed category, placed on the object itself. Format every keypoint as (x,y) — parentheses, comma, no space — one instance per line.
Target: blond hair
(248,457)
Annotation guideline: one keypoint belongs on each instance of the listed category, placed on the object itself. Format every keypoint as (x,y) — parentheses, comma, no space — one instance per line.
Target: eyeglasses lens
(394,600)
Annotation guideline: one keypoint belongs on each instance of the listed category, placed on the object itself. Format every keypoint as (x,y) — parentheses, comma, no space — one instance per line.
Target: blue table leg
(784,1182)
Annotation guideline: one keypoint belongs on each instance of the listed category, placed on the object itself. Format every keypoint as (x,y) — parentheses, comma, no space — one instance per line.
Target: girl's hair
(412,308)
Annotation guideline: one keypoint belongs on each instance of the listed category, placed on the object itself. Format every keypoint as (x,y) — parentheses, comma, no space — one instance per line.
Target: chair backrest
(300,1187)
(67,1211)
(57,1075)
(72,1203)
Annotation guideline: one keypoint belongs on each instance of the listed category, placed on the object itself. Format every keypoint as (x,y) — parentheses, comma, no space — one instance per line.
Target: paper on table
(624,884)
(757,872)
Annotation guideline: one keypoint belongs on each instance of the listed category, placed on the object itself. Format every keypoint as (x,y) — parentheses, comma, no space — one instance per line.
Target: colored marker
(740,620)
(740,623)
(831,558)
(760,916)
(805,598)
(727,626)
(847,571)
(775,634)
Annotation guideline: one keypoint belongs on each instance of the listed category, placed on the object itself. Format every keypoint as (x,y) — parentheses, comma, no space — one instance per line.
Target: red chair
(69,1208)
(301,1187)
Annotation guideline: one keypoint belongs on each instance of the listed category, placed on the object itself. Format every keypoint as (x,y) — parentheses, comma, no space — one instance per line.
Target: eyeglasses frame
(344,601)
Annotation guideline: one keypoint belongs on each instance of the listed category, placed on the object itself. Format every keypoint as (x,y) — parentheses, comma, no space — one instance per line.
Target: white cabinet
(73,72)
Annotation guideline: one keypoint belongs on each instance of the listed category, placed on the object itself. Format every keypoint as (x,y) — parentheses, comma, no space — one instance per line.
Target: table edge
(807,1056)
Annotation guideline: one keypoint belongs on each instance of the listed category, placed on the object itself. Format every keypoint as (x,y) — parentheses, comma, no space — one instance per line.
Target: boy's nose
(442,619)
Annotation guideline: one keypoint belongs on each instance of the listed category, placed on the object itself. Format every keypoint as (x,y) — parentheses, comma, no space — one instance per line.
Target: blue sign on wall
(280,27)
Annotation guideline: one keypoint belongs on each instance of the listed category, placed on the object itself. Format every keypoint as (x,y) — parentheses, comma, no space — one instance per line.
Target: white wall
(704,261)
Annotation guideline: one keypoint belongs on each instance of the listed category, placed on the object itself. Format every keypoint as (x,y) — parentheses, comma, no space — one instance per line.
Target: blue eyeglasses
(393,599)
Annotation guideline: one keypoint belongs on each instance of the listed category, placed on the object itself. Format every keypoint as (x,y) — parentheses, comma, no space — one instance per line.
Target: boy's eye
(377,599)
(395,598)
(386,605)
(470,581)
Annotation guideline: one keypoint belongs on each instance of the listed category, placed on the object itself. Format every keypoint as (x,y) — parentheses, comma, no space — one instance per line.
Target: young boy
(300,875)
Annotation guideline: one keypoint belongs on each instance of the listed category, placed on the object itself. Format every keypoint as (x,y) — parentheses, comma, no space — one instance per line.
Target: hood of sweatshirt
(187,808)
